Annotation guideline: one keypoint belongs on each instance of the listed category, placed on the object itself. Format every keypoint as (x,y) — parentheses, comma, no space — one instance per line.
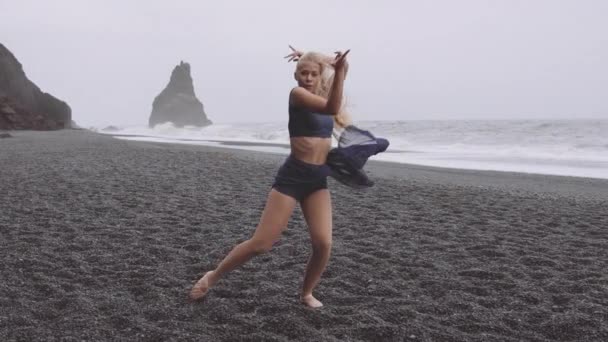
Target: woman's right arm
(329,60)
(301,97)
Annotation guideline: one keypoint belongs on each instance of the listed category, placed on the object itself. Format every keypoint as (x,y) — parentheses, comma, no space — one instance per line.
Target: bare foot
(199,290)
(311,301)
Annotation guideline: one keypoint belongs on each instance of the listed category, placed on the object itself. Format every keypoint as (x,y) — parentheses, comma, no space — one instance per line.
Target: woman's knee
(259,246)
(322,246)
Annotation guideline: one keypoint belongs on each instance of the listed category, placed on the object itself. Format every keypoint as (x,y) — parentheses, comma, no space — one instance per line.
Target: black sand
(101,239)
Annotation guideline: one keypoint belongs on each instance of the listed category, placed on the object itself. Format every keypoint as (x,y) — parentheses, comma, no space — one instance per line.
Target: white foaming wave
(588,169)
(548,152)
(559,140)
(268,149)
(577,148)
(568,148)
(258,132)
(562,152)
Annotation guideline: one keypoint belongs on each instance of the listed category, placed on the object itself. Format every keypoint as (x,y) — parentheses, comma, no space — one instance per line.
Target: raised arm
(329,60)
(303,98)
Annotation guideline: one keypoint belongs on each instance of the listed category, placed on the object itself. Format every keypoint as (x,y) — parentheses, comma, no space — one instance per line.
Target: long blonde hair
(342,118)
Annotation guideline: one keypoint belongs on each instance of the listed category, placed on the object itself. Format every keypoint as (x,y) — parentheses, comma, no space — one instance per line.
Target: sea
(551,147)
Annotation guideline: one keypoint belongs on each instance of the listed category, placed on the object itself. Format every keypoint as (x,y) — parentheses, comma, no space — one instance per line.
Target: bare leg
(317,212)
(275,216)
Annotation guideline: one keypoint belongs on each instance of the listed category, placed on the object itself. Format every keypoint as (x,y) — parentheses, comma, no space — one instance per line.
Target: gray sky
(432,59)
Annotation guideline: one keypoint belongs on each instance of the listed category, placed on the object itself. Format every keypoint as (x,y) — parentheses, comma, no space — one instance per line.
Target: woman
(355,146)
(302,178)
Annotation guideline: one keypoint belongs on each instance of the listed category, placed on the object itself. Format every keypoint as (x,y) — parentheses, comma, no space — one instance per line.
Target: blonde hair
(342,118)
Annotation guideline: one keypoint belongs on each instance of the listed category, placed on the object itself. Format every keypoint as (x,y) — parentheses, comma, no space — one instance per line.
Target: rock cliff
(177,103)
(23,105)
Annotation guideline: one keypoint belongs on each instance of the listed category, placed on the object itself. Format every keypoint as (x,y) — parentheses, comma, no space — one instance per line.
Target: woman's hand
(295,55)
(340,62)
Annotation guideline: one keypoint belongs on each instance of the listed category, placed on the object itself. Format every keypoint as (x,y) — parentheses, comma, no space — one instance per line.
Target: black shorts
(299,179)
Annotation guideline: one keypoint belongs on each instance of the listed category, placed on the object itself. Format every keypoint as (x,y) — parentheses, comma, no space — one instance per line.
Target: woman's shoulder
(295,91)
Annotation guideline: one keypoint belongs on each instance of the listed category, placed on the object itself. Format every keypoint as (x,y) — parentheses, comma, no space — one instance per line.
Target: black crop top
(303,123)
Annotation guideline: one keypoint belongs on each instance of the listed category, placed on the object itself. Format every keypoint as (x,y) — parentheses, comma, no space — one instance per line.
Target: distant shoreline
(507,180)
(593,169)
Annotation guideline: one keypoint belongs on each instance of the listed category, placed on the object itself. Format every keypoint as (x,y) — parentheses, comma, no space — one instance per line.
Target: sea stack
(177,103)
(23,106)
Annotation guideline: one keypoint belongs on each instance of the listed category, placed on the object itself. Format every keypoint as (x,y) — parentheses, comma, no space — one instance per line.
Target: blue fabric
(303,123)
(346,161)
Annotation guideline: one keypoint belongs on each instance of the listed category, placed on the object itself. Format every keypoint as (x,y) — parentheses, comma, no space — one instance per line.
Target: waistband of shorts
(292,159)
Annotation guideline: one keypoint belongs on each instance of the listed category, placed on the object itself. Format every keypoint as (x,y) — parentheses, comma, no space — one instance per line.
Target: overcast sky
(431,59)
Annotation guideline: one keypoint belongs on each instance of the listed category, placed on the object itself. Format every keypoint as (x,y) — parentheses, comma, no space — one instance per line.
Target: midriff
(312,150)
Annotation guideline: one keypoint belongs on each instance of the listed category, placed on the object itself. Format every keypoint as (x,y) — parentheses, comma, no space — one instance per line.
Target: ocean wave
(567,145)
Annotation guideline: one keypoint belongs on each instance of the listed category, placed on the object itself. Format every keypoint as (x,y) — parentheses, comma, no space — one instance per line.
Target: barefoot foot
(311,301)
(199,290)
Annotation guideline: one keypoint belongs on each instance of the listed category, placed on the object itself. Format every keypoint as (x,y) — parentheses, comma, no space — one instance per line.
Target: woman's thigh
(275,216)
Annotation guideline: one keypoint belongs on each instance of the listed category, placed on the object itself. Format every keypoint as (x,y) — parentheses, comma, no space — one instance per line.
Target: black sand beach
(101,240)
